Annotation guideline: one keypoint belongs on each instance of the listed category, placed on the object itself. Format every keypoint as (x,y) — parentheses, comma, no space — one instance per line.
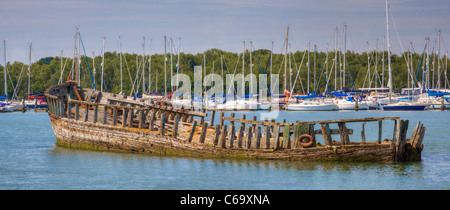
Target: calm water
(30,159)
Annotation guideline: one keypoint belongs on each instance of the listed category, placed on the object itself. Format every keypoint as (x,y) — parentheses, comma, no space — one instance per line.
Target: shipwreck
(90,119)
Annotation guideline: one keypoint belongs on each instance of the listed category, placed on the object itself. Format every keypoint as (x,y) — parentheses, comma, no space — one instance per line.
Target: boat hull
(301,107)
(96,136)
(405,108)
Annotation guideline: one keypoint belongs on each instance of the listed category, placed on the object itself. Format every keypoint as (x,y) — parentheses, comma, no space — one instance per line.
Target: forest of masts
(307,71)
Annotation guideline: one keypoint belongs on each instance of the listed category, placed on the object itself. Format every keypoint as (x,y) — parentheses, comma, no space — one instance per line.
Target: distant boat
(311,106)
(405,106)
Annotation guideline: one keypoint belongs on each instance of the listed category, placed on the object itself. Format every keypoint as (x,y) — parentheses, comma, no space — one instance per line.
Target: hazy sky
(204,24)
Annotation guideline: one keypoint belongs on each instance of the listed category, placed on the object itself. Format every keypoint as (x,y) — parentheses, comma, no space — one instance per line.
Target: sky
(198,25)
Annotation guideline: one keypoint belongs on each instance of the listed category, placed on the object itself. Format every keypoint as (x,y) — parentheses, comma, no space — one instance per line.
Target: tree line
(362,70)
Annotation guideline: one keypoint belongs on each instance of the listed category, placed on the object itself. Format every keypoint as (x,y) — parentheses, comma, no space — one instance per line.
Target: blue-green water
(30,159)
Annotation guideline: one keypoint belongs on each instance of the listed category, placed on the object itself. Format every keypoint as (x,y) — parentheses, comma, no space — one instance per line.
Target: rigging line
(89,67)
(232,79)
(260,68)
(18,82)
(298,72)
(323,72)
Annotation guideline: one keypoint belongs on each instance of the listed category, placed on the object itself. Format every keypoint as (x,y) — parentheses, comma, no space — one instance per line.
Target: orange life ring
(309,143)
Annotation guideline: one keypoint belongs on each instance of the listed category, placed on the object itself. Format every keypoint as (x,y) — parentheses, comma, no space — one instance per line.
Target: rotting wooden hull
(94,136)
(172,134)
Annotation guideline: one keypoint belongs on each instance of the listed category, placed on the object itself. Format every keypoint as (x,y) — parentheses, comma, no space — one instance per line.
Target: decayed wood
(248,142)
(232,136)
(191,134)
(417,135)
(175,126)
(344,132)
(240,135)
(223,137)
(203,134)
(248,139)
(217,135)
(286,136)
(399,139)
(267,136)
(380,130)
(326,134)
(276,137)
(162,130)
(363,133)
(258,137)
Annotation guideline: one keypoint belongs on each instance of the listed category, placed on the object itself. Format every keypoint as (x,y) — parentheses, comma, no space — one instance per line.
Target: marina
(257,96)
(84,118)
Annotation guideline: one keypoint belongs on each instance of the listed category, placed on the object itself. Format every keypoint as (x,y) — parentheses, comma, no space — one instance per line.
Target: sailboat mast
(345,52)
(6,83)
(308,69)
(388,52)
(285,58)
(439,58)
(121,75)
(243,71)
(250,89)
(165,67)
(335,58)
(103,62)
(143,66)
(29,72)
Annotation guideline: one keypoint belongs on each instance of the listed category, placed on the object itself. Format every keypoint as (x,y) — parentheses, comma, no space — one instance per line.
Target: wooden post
(124,117)
(202,119)
(141,119)
(232,135)
(326,134)
(276,136)
(61,104)
(221,115)
(258,137)
(211,121)
(399,140)
(105,115)
(162,125)
(243,124)
(131,112)
(217,135)
(77,111)
(312,131)
(203,135)
(232,116)
(223,137)
(69,109)
(267,135)
(175,126)
(442,103)
(343,132)
(286,136)
(191,134)
(356,102)
(417,136)
(254,126)
(240,135)
(95,113)
(152,120)
(380,130)
(249,137)
(363,133)
(114,116)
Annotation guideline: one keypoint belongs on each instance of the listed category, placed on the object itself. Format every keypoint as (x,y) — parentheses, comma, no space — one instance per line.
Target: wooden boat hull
(132,126)
(94,136)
